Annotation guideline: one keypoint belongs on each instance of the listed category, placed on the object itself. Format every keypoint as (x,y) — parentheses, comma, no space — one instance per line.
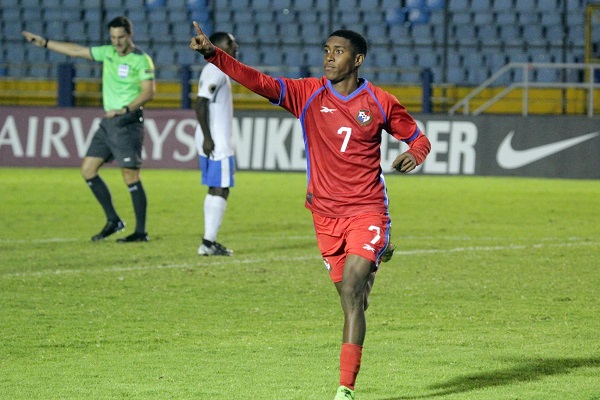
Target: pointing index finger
(197,27)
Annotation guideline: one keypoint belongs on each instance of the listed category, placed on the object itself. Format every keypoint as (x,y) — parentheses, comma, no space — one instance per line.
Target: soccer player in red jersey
(342,118)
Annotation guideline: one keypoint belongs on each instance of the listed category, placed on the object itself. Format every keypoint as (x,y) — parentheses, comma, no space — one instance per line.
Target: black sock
(138,197)
(103,196)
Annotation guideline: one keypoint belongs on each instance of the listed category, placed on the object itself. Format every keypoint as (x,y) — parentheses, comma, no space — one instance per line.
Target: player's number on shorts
(348,132)
(377,230)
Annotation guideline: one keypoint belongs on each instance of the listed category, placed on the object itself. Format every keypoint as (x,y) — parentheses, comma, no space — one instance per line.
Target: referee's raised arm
(66,48)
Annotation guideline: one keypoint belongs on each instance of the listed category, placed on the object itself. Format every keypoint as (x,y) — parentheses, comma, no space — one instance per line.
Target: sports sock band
(349,364)
(140,203)
(214,210)
(102,194)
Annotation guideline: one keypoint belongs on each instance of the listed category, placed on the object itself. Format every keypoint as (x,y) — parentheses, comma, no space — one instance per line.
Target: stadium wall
(541,101)
(535,146)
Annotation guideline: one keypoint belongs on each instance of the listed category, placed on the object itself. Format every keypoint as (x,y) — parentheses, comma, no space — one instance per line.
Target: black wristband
(46,44)
(127,110)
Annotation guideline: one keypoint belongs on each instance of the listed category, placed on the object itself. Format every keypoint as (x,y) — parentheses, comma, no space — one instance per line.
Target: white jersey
(216,86)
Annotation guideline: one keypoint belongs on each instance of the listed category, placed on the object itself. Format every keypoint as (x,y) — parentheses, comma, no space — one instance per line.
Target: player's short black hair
(358,42)
(218,37)
(121,22)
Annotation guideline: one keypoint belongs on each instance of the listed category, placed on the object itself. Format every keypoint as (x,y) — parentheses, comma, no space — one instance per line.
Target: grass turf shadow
(525,371)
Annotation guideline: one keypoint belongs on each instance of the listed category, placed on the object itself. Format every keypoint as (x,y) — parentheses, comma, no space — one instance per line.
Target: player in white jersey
(214,111)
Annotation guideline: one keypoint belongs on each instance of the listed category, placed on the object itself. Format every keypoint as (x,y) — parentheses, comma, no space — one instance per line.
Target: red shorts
(365,235)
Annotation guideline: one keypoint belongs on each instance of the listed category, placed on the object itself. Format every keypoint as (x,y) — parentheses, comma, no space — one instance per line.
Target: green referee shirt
(121,75)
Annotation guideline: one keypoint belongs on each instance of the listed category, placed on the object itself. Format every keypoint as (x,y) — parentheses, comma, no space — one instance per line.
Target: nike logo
(328,110)
(509,158)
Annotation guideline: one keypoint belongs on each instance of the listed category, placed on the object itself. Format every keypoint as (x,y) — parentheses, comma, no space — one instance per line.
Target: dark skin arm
(208,146)
(200,43)
(404,163)
(418,150)
(202,114)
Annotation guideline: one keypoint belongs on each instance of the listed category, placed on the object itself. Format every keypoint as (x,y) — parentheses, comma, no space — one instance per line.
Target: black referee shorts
(120,138)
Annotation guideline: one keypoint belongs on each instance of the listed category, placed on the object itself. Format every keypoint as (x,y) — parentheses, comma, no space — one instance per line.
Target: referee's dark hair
(121,22)
(358,42)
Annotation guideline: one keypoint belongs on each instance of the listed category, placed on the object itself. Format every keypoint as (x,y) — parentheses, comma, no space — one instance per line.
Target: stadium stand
(483,35)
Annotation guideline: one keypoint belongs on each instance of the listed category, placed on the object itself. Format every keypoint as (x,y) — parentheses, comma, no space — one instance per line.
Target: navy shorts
(120,138)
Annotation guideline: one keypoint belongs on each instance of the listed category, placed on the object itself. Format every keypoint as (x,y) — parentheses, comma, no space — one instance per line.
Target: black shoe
(215,249)
(135,237)
(110,228)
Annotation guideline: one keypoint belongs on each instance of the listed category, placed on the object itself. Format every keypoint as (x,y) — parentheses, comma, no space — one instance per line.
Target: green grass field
(493,293)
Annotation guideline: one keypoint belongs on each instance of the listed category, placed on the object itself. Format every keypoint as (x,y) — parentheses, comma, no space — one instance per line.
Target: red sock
(349,364)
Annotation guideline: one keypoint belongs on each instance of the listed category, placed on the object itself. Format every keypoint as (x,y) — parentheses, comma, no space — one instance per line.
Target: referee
(127,84)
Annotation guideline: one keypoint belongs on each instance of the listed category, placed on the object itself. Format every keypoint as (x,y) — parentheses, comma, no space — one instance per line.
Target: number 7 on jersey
(348,132)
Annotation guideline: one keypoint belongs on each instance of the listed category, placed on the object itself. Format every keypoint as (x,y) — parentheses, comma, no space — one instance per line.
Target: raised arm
(251,78)
(66,48)
(201,44)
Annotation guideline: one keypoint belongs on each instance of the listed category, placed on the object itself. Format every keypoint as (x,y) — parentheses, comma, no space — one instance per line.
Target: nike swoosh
(509,158)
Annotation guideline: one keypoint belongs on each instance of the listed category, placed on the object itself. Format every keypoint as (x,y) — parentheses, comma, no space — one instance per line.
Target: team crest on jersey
(364,117)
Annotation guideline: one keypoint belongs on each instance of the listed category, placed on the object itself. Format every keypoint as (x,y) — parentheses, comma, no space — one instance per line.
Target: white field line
(496,248)
(309,237)
(242,261)
(47,240)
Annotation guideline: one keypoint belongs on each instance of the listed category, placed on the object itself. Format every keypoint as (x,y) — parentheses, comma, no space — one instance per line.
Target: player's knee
(130,175)
(90,167)
(217,191)
(88,173)
(352,297)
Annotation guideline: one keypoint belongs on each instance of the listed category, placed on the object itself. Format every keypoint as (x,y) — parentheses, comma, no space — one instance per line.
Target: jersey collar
(362,83)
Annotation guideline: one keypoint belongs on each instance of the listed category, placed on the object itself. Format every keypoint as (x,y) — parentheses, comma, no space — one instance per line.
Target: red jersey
(342,136)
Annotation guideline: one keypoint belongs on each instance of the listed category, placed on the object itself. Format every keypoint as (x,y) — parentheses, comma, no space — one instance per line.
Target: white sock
(214,210)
